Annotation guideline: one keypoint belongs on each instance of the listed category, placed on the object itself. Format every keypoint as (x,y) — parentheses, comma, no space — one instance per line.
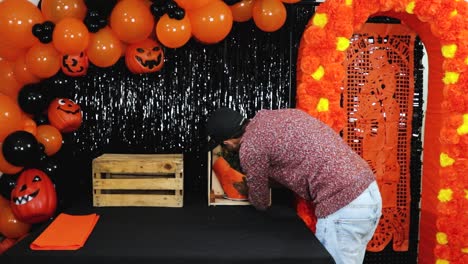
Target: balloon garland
(44,38)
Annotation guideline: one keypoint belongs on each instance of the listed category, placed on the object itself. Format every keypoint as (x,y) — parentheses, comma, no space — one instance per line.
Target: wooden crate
(138,180)
(215,191)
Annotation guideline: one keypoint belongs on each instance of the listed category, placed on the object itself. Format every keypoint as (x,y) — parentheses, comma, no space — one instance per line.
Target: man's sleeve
(255,164)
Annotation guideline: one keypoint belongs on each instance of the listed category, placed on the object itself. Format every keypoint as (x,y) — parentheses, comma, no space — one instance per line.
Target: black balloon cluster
(21,148)
(44,31)
(98,12)
(94,21)
(169,7)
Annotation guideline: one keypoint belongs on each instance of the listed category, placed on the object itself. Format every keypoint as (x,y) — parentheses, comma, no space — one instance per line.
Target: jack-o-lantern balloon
(144,57)
(34,199)
(65,115)
(75,65)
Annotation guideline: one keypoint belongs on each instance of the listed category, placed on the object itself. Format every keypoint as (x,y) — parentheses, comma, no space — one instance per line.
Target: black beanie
(224,123)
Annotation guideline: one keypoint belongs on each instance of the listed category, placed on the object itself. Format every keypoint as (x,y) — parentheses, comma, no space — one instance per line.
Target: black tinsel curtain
(165,112)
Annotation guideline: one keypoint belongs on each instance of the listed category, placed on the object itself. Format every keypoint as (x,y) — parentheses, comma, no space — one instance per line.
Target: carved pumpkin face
(144,57)
(75,65)
(34,199)
(65,115)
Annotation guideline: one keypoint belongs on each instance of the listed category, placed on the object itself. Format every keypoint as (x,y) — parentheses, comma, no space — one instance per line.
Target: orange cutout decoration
(380,108)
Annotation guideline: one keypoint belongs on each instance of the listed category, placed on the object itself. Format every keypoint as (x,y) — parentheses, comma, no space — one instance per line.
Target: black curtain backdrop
(165,112)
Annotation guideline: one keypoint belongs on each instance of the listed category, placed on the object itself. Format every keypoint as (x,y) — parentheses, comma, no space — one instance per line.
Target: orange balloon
(5,166)
(50,137)
(131,21)
(10,226)
(22,73)
(242,11)
(17,17)
(269,15)
(10,116)
(29,125)
(56,10)
(104,48)
(8,83)
(9,52)
(193,4)
(43,60)
(70,36)
(173,33)
(211,23)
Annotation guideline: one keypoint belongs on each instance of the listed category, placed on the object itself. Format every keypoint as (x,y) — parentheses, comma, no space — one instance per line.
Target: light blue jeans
(346,232)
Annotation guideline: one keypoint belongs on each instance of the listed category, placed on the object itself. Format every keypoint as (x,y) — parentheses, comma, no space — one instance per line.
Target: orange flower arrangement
(319,78)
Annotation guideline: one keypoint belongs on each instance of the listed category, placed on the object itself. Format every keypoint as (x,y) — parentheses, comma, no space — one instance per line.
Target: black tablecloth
(193,234)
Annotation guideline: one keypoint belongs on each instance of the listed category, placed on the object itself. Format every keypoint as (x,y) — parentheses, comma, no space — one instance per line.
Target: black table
(195,233)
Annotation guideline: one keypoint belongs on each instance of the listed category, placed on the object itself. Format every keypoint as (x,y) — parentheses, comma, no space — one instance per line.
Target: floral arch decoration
(320,74)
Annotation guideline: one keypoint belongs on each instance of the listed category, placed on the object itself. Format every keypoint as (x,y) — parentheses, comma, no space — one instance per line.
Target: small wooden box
(216,194)
(138,180)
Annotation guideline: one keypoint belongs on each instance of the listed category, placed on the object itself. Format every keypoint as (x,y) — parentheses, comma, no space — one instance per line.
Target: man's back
(306,156)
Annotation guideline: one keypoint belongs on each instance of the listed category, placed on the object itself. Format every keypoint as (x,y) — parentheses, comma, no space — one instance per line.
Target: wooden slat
(137,166)
(103,200)
(109,156)
(138,184)
(139,163)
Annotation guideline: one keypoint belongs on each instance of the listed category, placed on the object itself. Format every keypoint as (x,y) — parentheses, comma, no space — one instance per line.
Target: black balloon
(158,10)
(178,13)
(171,5)
(7,183)
(32,99)
(48,27)
(104,7)
(45,39)
(21,149)
(37,30)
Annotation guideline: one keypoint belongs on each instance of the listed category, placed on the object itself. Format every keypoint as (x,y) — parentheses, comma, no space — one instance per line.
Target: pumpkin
(75,65)
(144,57)
(34,199)
(233,182)
(65,115)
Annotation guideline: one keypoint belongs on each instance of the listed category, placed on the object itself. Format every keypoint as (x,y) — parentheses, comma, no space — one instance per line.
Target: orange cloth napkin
(66,232)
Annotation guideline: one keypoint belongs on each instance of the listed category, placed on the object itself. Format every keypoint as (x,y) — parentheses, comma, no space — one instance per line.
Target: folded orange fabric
(66,232)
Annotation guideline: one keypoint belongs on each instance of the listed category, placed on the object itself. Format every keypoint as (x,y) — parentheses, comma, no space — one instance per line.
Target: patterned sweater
(304,155)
